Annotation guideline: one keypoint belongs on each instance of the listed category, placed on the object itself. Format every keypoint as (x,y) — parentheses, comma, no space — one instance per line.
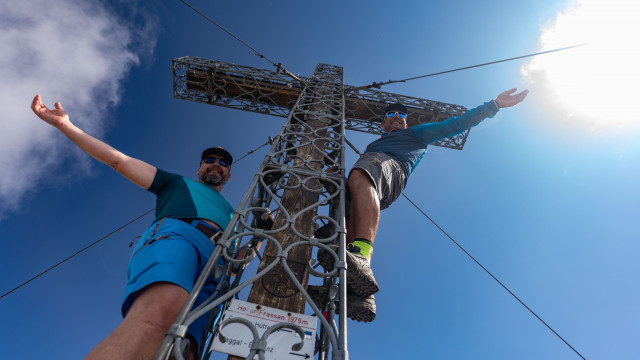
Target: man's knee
(158,304)
(358,179)
(362,191)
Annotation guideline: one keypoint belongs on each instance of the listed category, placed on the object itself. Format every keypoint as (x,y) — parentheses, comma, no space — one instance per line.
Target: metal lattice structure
(292,184)
(272,93)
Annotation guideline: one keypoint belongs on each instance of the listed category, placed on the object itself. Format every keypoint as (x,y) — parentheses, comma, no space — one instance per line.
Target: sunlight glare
(594,84)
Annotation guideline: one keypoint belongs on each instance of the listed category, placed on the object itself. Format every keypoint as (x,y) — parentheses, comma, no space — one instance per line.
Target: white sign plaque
(239,338)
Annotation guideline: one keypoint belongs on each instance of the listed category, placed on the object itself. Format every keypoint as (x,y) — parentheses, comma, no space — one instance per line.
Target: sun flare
(594,84)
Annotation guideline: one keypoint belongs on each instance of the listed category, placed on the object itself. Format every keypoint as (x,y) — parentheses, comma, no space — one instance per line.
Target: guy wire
(478,263)
(494,278)
(378,85)
(76,253)
(278,66)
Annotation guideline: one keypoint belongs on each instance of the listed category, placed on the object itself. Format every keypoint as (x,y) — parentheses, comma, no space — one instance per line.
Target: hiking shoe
(358,308)
(359,275)
(325,231)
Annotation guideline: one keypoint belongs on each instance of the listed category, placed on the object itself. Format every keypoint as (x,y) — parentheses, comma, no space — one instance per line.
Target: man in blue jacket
(171,254)
(378,178)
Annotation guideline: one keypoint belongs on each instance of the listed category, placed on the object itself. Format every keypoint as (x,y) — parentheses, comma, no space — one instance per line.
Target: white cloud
(76,52)
(593,85)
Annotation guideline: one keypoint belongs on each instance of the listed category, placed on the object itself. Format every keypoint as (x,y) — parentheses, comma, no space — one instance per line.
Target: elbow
(117,163)
(115,166)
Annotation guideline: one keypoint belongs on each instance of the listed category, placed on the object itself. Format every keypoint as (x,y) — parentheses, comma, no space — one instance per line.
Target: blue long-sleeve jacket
(409,146)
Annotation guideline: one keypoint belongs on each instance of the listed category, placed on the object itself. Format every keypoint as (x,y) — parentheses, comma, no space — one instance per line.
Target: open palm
(508,99)
(55,117)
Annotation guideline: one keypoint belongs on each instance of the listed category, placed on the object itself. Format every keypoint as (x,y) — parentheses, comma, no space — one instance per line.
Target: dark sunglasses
(213,160)
(392,113)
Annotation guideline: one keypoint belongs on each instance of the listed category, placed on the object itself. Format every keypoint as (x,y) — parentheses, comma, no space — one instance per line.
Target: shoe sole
(357,309)
(361,284)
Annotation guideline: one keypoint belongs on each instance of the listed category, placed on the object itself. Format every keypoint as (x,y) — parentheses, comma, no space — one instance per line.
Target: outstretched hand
(55,117)
(508,99)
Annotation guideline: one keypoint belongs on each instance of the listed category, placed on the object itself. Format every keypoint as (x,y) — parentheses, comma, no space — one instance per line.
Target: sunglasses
(392,113)
(222,162)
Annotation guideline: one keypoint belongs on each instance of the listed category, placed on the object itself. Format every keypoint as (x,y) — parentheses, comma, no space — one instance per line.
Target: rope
(479,264)
(270,141)
(279,67)
(378,85)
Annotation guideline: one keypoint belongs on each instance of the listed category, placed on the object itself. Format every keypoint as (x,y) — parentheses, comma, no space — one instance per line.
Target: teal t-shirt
(178,197)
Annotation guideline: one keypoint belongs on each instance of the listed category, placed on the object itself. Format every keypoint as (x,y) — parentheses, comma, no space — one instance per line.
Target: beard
(211,179)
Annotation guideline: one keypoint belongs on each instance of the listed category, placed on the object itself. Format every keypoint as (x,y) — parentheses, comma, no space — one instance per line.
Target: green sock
(366,247)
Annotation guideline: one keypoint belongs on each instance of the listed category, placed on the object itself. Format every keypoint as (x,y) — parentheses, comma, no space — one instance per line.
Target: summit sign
(238,338)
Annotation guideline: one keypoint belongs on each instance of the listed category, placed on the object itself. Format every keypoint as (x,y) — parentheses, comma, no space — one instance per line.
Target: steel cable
(378,85)
(494,278)
(278,66)
(270,141)
(479,264)
(76,253)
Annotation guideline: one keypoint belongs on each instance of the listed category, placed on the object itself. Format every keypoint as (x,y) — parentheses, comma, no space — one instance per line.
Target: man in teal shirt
(171,254)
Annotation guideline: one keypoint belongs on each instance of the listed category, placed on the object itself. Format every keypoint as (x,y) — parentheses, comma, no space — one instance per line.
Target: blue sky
(544,196)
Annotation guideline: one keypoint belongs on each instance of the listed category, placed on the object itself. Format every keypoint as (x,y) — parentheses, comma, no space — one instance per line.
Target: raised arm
(431,132)
(139,172)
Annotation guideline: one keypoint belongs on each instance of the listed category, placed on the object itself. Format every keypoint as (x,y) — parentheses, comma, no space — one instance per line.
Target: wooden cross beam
(272,93)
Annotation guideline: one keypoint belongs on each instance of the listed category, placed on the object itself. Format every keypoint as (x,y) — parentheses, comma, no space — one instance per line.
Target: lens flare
(592,84)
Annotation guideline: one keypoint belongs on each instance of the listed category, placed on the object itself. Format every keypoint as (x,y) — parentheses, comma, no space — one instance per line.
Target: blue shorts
(174,252)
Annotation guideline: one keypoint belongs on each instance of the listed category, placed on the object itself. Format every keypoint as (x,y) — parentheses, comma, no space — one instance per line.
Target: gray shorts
(386,174)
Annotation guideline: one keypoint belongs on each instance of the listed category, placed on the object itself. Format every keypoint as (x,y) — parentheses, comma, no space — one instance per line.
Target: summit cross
(293,182)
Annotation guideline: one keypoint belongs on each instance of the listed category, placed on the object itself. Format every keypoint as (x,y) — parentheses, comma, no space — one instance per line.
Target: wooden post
(276,289)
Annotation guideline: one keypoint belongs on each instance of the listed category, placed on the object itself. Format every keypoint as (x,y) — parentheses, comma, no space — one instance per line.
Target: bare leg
(141,332)
(365,207)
